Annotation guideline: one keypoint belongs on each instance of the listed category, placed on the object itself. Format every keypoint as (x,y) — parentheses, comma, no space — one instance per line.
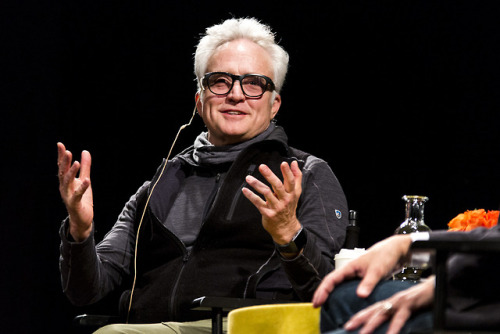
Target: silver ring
(387,307)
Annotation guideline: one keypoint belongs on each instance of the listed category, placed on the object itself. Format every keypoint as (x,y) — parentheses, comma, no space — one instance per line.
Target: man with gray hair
(238,214)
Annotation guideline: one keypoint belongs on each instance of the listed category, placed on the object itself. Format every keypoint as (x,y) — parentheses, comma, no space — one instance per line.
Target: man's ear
(276,105)
(199,105)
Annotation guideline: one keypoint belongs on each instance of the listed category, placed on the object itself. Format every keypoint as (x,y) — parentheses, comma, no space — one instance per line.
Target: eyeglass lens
(252,85)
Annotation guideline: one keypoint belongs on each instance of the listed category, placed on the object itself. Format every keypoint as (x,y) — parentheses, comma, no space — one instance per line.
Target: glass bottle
(413,223)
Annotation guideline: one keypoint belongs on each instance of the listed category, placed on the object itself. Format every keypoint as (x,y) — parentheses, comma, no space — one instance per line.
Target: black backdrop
(400,97)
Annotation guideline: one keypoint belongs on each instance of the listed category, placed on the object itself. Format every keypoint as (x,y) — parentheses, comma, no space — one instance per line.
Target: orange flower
(472,219)
(492,217)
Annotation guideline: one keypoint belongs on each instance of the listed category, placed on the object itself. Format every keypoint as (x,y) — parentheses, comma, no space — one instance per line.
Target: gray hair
(244,28)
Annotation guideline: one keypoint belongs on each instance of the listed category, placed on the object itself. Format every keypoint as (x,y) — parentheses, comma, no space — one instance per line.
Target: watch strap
(296,244)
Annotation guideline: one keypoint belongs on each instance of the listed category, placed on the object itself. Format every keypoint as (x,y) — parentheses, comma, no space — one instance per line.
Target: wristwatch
(295,246)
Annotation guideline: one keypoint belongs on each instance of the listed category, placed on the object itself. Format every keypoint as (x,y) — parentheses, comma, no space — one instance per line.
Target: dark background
(400,97)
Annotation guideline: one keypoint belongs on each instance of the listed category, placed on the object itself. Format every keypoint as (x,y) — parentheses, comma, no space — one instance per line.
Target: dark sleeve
(323,213)
(481,233)
(88,271)
(469,275)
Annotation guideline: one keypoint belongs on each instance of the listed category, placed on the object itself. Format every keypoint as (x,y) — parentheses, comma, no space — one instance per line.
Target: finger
(324,290)
(398,321)
(370,318)
(372,275)
(252,197)
(85,165)
(330,282)
(297,173)
(288,177)
(275,182)
(370,323)
(80,191)
(67,172)
(64,161)
(367,284)
(263,189)
(67,183)
(70,175)
(60,153)
(360,319)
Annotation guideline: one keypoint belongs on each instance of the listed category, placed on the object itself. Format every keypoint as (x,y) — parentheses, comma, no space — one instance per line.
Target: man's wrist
(74,234)
(296,245)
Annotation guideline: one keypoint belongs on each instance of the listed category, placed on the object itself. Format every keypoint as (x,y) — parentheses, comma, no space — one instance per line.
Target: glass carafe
(413,223)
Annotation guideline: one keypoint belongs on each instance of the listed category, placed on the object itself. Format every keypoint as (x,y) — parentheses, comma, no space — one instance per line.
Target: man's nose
(236,92)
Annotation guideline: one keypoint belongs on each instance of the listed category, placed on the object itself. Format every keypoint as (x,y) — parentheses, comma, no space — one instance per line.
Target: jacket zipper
(185,257)
(256,273)
(212,200)
(176,285)
(187,254)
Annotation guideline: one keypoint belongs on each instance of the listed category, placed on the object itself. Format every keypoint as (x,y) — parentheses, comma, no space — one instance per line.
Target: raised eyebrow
(219,75)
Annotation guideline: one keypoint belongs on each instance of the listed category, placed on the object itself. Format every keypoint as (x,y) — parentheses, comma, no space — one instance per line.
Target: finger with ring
(387,307)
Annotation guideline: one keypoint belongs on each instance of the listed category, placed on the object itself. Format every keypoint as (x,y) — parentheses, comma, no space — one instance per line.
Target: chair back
(290,318)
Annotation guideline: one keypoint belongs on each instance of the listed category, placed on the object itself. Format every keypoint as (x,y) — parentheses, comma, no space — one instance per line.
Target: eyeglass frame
(269,83)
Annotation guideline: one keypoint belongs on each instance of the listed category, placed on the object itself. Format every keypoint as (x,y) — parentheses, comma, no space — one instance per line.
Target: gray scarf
(205,153)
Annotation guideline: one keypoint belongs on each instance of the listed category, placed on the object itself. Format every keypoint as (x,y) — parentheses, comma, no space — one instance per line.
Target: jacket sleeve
(477,234)
(469,275)
(323,214)
(88,271)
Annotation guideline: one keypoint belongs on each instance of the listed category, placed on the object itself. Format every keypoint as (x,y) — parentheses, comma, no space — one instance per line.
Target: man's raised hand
(76,191)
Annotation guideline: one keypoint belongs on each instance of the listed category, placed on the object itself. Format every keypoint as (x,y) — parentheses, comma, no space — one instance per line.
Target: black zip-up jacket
(232,256)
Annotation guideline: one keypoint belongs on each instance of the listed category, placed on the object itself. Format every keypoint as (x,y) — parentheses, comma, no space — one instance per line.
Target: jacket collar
(203,153)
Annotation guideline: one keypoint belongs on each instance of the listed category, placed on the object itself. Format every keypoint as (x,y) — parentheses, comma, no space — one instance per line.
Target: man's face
(234,117)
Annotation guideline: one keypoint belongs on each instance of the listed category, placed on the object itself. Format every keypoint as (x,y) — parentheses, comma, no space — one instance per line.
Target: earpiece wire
(147,202)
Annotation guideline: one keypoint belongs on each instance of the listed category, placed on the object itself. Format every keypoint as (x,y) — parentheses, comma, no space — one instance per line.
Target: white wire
(145,207)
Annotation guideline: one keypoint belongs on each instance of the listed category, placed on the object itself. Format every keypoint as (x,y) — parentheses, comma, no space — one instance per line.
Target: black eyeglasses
(252,85)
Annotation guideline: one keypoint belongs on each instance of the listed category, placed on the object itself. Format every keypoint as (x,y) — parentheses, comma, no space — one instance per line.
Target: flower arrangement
(471,219)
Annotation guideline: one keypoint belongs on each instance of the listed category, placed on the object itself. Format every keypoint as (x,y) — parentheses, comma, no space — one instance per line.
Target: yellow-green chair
(289,318)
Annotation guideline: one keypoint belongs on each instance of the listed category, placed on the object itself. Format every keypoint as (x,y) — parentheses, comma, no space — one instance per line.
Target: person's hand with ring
(397,309)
